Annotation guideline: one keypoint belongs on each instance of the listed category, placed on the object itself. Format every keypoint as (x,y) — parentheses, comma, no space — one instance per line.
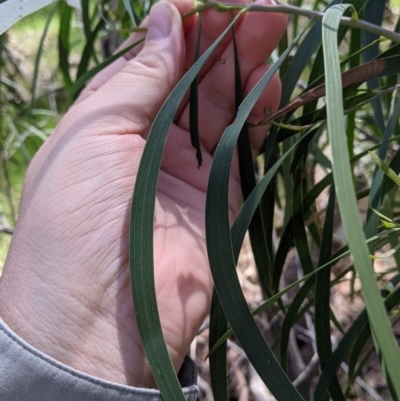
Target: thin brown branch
(353,77)
(289,9)
(378,93)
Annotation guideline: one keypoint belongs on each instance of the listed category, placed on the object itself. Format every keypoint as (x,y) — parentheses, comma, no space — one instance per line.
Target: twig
(304,375)
(288,9)
(353,77)
(378,93)
(363,385)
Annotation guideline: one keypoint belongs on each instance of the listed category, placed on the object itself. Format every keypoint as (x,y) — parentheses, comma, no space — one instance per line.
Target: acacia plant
(339,115)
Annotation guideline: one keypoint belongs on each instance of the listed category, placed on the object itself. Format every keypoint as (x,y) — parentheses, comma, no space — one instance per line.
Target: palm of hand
(77,199)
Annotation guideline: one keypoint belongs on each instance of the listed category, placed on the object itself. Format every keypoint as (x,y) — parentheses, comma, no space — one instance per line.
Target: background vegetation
(317,144)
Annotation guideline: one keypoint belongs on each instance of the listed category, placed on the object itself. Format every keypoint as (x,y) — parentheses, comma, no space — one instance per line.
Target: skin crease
(65,288)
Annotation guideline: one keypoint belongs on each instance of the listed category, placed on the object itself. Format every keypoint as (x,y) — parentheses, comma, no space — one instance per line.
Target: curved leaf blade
(381,328)
(141,236)
(221,256)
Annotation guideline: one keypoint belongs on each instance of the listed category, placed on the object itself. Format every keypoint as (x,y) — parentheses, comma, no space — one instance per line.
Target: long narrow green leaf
(89,49)
(287,177)
(39,54)
(248,183)
(141,236)
(220,252)
(85,18)
(65,12)
(283,44)
(299,230)
(218,373)
(381,328)
(262,232)
(218,320)
(322,297)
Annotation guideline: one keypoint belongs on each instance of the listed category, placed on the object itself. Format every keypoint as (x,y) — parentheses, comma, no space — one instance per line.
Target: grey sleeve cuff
(27,374)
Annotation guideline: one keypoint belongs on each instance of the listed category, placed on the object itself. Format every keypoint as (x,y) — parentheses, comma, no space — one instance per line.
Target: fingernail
(160,22)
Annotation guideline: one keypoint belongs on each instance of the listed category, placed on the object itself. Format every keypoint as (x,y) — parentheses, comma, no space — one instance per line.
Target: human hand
(65,287)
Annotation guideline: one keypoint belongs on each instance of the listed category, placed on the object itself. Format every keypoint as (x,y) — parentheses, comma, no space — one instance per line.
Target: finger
(107,73)
(132,97)
(256,37)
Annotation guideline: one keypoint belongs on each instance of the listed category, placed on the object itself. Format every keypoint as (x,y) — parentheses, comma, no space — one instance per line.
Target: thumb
(139,89)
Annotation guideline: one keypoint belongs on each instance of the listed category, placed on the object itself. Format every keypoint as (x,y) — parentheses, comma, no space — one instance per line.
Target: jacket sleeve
(27,374)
